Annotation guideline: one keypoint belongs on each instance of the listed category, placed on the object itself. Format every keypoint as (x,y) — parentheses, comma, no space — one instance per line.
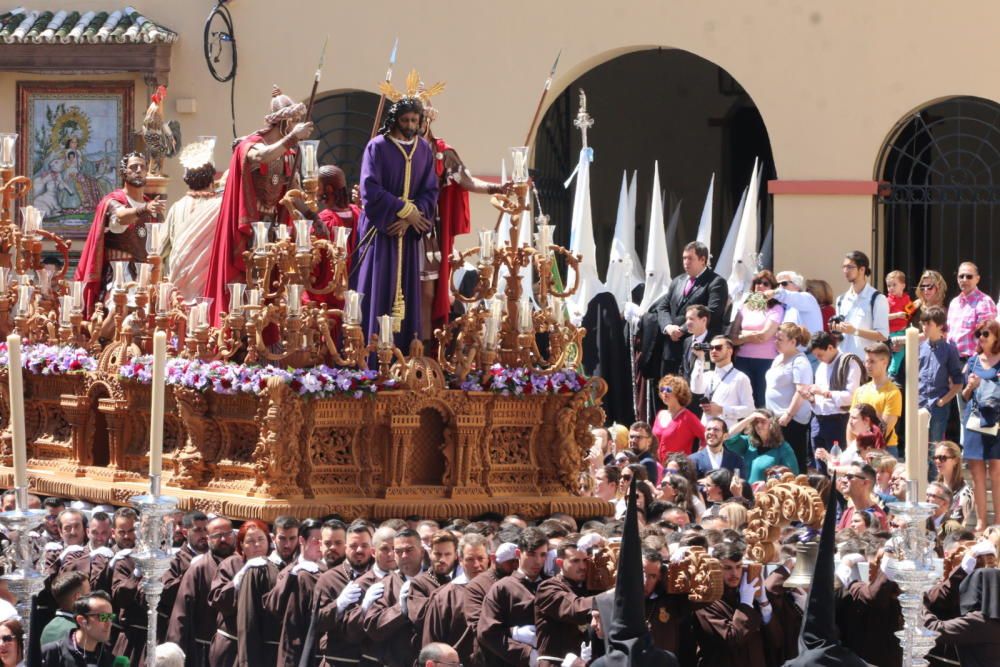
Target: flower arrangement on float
(41,359)
(229,378)
(522,381)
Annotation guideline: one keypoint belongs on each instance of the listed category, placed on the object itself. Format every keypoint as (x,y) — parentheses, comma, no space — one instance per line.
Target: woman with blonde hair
(948,461)
(932,290)
(789,376)
(735,514)
(676,429)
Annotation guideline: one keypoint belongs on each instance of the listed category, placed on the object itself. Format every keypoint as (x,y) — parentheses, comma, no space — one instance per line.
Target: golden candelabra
(506,328)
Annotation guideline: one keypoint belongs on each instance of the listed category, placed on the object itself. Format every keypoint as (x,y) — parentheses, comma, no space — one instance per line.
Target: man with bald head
(437,653)
(193,621)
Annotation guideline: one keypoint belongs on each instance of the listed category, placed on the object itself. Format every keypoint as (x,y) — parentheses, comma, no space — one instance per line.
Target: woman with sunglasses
(948,461)
(754,328)
(788,378)
(759,440)
(677,490)
(11,643)
(979,447)
(676,429)
(931,291)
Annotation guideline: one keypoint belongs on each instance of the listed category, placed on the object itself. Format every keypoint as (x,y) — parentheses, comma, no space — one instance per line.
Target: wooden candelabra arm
(16,188)
(487,275)
(62,247)
(226,341)
(336,260)
(331,346)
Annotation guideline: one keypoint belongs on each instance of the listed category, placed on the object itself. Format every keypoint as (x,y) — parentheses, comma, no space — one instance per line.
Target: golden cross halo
(414,88)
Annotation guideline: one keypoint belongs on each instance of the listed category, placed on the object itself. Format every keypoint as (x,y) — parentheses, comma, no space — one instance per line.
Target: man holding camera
(862,311)
(726,391)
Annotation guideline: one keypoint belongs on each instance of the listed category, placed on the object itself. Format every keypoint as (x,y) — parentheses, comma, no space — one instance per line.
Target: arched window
(343,126)
(939,200)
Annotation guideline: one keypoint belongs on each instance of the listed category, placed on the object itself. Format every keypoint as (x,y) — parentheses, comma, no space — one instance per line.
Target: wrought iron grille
(940,192)
(344,125)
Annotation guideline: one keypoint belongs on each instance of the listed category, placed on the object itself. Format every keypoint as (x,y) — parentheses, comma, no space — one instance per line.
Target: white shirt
(858,309)
(714,459)
(727,387)
(801,308)
(839,401)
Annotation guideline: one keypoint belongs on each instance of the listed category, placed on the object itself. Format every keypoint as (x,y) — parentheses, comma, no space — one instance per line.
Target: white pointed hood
(657,259)
(581,242)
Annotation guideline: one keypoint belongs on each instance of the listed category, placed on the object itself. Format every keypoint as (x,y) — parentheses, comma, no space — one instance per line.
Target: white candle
(236,291)
(353,307)
(203,314)
(385,330)
(4,278)
(145,272)
(163,292)
(253,297)
(293,299)
(496,309)
(76,291)
(44,280)
(281,231)
(120,269)
(524,323)
(544,239)
(310,168)
(519,173)
(303,234)
(7,143)
(23,300)
(260,237)
(486,245)
(155,235)
(65,309)
(490,334)
(340,236)
(159,389)
(915,469)
(194,318)
(557,310)
(15,377)
(31,219)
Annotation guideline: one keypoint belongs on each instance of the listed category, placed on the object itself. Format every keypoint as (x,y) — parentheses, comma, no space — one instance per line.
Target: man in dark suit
(663,326)
(714,455)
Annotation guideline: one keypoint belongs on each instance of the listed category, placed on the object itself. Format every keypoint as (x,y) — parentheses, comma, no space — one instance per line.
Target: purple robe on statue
(383,171)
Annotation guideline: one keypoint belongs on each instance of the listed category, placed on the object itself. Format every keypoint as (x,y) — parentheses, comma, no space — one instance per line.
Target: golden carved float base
(435,452)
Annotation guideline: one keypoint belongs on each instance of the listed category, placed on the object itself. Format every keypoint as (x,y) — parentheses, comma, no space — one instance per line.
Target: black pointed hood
(819,642)
(630,642)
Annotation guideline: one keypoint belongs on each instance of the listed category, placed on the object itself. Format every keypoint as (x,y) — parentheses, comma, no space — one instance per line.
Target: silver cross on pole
(583,120)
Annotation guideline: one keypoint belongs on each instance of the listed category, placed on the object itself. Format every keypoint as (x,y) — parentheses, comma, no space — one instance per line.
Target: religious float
(316,420)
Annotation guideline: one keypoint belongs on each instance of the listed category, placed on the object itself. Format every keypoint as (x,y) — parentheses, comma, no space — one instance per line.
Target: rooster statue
(161,138)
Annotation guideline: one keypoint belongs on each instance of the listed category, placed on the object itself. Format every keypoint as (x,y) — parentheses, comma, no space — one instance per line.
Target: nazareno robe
(385,181)
(290,603)
(510,602)
(223,599)
(444,620)
(328,623)
(562,607)
(193,621)
(257,628)
(179,564)
(129,603)
(385,625)
(352,626)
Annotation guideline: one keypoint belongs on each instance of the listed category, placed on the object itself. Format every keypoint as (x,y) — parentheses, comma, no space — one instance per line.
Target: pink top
(755,321)
(677,434)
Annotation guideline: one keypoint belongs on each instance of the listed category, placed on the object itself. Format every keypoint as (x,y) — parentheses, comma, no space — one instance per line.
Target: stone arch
(938,200)
(651,102)
(344,120)
(96,450)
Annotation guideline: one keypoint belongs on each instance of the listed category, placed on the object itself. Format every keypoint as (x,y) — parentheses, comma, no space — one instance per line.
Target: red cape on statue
(321,274)
(237,212)
(90,269)
(453,210)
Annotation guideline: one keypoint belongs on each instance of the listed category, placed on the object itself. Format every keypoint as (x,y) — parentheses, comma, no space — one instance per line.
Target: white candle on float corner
(490,334)
(260,230)
(7,143)
(65,309)
(303,234)
(915,468)
(159,388)
(15,377)
(385,330)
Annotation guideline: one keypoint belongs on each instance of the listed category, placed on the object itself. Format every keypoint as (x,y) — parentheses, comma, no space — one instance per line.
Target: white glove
(589,541)
(748,590)
(348,596)
(586,652)
(253,562)
(524,634)
(848,571)
(631,313)
(570,660)
(679,555)
(373,593)
(533,658)
(404,594)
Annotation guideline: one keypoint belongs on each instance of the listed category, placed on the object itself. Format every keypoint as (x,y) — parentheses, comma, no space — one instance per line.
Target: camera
(837,319)
(701,347)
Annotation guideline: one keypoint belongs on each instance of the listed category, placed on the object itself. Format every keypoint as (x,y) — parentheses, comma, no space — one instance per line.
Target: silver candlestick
(24,582)
(153,558)
(913,570)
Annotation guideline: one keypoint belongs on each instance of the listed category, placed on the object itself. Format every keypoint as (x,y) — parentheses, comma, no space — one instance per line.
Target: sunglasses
(982,334)
(934,496)
(762,282)
(965,276)
(626,478)
(666,390)
(6,639)
(104,616)
(939,457)
(851,476)
(784,283)
(716,348)
(928,288)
